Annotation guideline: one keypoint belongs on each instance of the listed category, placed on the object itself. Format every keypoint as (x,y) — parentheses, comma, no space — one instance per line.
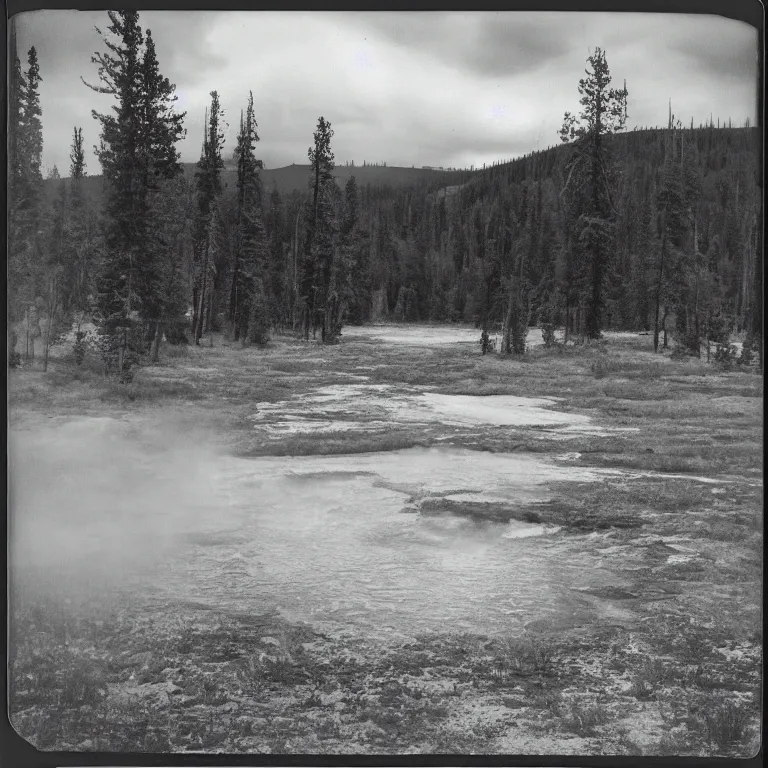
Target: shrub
(747,352)
(553,702)
(176,333)
(671,744)
(725,356)
(726,724)
(258,319)
(584,718)
(601,367)
(548,334)
(486,345)
(81,686)
(647,679)
(79,348)
(518,654)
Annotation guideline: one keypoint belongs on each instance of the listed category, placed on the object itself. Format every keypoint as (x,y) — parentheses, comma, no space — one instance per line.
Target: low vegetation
(666,664)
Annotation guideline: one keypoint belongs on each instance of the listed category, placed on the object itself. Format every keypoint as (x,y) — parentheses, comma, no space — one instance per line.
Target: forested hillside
(623,230)
(293,178)
(440,259)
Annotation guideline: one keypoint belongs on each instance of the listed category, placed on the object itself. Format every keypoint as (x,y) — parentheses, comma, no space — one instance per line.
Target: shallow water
(99,505)
(439,335)
(369,407)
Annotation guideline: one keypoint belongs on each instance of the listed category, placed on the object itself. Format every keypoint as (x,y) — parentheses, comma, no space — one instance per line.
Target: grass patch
(341,442)
(296,366)
(175,352)
(726,724)
(654,462)
(147,391)
(583,717)
(652,673)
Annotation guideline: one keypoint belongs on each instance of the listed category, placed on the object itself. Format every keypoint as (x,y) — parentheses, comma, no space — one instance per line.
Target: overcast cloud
(450,89)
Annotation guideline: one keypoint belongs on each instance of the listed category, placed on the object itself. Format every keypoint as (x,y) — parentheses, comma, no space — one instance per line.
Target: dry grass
(240,694)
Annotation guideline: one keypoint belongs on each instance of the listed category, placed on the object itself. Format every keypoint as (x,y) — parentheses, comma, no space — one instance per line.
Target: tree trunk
(209,318)
(52,301)
(201,304)
(697,326)
(233,302)
(507,338)
(156,342)
(121,356)
(295,294)
(658,292)
(47,345)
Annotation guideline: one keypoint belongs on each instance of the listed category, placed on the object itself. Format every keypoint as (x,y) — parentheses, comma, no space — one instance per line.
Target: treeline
(656,229)
(438,257)
(245,260)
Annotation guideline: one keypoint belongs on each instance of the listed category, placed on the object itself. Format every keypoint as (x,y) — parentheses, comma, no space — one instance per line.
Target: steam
(96,503)
(110,512)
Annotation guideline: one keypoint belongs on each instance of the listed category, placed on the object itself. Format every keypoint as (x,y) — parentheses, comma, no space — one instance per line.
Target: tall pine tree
(249,305)
(319,243)
(604,111)
(137,150)
(208,181)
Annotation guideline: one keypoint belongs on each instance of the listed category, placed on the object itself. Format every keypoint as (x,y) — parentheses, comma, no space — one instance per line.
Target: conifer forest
(347,457)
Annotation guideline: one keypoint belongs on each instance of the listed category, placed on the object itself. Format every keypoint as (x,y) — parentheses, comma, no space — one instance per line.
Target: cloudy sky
(448,89)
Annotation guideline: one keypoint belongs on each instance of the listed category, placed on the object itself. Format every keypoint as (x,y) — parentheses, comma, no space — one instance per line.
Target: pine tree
(54,270)
(79,236)
(32,135)
(16,87)
(317,291)
(77,156)
(670,204)
(348,284)
(249,301)
(161,129)
(277,267)
(137,150)
(25,220)
(208,182)
(16,273)
(604,111)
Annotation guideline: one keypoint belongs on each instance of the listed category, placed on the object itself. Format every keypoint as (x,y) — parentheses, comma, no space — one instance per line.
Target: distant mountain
(296,177)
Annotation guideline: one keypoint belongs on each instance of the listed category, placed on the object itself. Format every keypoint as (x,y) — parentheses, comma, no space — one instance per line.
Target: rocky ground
(660,654)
